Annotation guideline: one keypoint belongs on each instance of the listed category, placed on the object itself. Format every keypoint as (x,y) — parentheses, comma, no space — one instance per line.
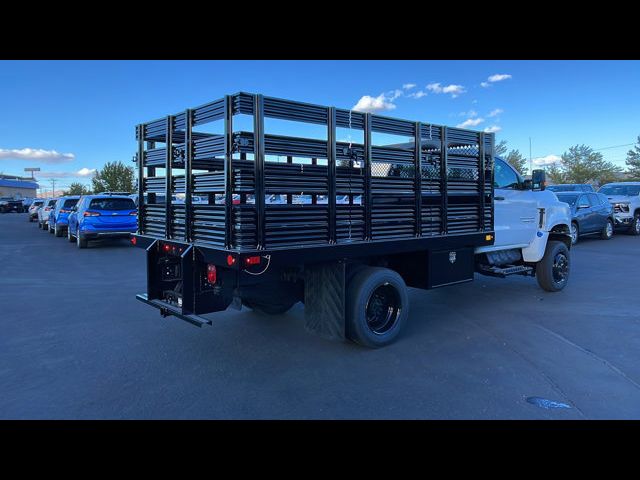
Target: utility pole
(530,160)
(53,187)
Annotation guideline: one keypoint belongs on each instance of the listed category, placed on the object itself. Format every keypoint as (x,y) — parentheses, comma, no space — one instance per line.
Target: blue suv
(59,215)
(102,216)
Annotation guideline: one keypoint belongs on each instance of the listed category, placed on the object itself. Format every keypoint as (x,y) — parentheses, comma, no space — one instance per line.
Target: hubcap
(560,268)
(638,224)
(609,229)
(383,309)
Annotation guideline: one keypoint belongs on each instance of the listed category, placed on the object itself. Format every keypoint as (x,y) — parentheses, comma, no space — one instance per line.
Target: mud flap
(324,299)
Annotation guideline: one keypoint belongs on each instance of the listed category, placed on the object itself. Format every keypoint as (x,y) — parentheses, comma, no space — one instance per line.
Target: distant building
(17,187)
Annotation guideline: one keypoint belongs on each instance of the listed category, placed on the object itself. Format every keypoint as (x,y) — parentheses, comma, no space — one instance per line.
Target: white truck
(625,198)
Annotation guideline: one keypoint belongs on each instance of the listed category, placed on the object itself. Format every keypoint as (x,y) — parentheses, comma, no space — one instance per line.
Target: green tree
(501,148)
(555,174)
(517,161)
(580,164)
(76,188)
(633,161)
(114,177)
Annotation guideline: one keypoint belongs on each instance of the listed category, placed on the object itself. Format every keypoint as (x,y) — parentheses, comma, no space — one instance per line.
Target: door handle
(498,198)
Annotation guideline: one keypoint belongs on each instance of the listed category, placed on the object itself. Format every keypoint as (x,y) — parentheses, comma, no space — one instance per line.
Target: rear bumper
(114,234)
(167,309)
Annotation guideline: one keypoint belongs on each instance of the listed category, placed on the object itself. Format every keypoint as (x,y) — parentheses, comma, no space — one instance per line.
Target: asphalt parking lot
(75,343)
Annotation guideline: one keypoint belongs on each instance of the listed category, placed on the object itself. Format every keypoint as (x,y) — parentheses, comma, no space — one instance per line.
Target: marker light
(231,260)
(134,240)
(252,260)
(166,247)
(212,274)
(488,237)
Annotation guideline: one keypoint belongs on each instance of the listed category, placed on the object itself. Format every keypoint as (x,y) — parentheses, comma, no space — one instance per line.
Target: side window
(595,200)
(504,176)
(583,201)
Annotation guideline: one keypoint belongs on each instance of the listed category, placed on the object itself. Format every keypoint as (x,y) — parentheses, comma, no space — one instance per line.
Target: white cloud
(495,112)
(492,129)
(471,113)
(453,89)
(471,122)
(485,84)
(371,104)
(545,161)
(474,101)
(409,86)
(418,94)
(36,155)
(498,77)
(393,94)
(83,172)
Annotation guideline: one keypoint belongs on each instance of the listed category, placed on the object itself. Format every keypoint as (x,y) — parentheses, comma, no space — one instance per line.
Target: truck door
(516,210)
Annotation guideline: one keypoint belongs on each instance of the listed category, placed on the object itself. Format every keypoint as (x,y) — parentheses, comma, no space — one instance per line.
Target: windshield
(112,204)
(627,190)
(570,199)
(51,203)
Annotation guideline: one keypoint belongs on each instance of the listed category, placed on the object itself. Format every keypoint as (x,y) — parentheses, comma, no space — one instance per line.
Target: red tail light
(63,210)
(212,274)
(46,209)
(231,260)
(252,260)
(166,247)
(91,214)
(134,240)
(135,212)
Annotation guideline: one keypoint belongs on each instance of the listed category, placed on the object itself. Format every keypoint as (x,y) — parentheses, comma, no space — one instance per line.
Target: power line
(613,146)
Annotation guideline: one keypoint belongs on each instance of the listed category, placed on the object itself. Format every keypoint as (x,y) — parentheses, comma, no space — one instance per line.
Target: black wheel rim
(560,268)
(383,309)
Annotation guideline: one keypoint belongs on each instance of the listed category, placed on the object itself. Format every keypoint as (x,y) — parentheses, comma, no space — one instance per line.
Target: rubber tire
(50,229)
(69,236)
(359,290)
(577,234)
(81,242)
(544,268)
(603,233)
(57,231)
(269,309)
(633,228)
(30,219)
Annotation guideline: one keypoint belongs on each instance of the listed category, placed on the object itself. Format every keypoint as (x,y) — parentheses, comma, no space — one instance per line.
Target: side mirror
(527,184)
(538,180)
(582,206)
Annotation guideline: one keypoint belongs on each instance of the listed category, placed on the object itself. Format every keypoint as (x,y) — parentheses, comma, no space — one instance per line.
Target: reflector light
(166,247)
(91,214)
(212,274)
(231,260)
(488,238)
(252,260)
(134,240)
(135,212)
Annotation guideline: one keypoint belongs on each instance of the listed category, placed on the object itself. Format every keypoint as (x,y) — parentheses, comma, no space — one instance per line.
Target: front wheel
(575,233)
(634,229)
(50,229)
(69,236)
(377,307)
(57,231)
(607,231)
(552,272)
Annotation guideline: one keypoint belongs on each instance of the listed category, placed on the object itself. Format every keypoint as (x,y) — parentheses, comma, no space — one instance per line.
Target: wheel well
(636,211)
(562,233)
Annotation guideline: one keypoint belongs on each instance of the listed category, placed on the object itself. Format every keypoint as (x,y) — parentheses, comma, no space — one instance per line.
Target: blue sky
(73,116)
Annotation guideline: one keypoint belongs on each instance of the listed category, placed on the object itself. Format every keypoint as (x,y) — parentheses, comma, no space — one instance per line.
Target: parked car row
(616,206)
(87,217)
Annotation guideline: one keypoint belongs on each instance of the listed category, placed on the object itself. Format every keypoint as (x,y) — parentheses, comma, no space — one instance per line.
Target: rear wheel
(634,229)
(50,229)
(81,242)
(552,272)
(607,231)
(57,231)
(377,307)
(575,233)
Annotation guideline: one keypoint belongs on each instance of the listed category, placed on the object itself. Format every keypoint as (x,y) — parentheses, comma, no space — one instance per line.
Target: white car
(44,211)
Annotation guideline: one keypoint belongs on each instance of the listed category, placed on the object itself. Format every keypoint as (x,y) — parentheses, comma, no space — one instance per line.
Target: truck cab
(625,198)
(527,218)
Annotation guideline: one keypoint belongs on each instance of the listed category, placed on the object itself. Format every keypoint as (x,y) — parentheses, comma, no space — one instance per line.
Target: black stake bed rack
(310,198)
